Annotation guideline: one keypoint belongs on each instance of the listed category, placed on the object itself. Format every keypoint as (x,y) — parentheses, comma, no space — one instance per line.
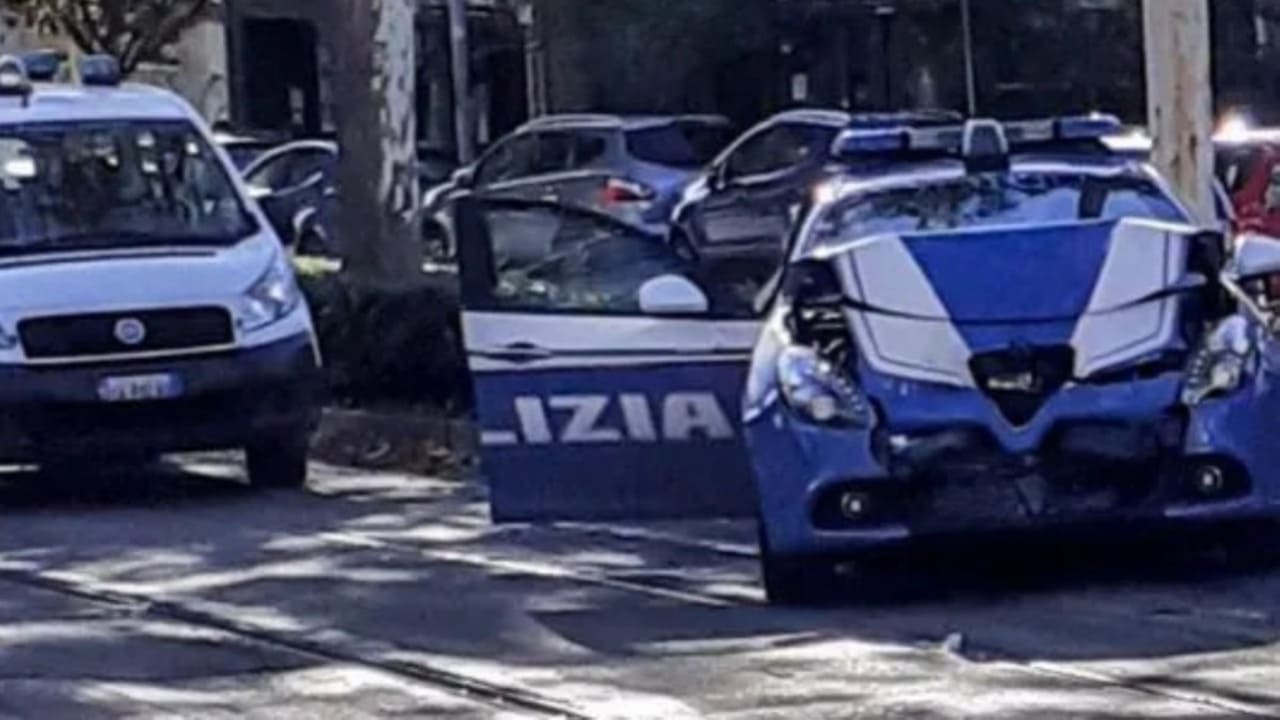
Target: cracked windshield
(640,359)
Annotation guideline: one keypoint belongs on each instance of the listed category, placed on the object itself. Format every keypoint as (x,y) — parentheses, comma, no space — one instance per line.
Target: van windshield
(72,186)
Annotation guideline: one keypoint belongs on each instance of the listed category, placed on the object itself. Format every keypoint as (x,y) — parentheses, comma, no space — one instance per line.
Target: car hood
(141,277)
(924,306)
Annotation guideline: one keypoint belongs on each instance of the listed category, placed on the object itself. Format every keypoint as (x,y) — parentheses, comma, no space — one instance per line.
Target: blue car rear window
(688,145)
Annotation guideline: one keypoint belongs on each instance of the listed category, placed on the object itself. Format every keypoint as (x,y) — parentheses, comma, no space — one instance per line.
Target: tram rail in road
(461,685)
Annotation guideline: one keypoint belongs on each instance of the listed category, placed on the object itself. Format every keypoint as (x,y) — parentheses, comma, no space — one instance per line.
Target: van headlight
(1221,362)
(271,298)
(819,391)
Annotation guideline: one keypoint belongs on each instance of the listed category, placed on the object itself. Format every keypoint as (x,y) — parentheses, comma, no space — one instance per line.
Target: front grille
(1071,491)
(76,336)
(1021,380)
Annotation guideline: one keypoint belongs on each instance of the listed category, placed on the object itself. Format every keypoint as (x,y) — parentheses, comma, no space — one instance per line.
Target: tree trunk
(1180,97)
(374,92)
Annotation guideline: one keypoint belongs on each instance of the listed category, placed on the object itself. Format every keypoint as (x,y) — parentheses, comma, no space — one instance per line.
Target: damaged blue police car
(996,327)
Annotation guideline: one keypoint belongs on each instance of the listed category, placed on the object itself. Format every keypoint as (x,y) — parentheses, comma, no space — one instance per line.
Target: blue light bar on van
(43,65)
(99,70)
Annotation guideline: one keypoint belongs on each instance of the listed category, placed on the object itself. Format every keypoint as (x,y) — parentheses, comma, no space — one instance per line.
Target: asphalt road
(177,593)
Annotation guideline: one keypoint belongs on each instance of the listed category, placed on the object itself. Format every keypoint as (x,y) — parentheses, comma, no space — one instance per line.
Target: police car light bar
(13,78)
(904,119)
(99,70)
(985,146)
(949,140)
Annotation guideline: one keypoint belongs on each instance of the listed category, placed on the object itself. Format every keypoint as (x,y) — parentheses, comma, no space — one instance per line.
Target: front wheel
(795,580)
(280,462)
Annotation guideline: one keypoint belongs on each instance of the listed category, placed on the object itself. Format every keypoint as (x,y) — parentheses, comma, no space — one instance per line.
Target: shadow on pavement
(441,582)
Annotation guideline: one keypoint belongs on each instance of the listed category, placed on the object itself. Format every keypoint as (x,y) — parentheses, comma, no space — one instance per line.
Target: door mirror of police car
(1255,256)
(1251,276)
(672,295)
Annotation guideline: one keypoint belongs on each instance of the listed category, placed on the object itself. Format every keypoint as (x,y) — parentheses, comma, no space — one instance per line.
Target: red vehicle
(1248,164)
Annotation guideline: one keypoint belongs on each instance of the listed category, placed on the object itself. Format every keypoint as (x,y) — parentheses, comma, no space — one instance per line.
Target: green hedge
(383,348)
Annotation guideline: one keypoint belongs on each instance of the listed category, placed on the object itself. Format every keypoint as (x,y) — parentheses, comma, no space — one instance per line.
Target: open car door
(608,370)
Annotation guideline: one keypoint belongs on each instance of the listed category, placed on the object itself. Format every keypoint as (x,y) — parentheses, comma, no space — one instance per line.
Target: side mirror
(464,177)
(1255,256)
(672,295)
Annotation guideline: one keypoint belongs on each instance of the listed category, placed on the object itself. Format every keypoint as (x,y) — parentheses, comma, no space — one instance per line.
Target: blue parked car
(1008,328)
(632,168)
(745,201)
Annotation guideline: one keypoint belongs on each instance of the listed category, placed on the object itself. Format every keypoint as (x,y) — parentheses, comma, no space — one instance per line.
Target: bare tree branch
(134,31)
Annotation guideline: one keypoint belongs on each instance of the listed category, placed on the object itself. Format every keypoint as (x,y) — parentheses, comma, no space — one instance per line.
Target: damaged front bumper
(943,461)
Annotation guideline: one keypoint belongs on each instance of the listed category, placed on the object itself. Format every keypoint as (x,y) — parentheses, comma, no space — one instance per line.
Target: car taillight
(624,191)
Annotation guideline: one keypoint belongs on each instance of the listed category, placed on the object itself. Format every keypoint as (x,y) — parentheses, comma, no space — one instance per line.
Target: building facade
(266,65)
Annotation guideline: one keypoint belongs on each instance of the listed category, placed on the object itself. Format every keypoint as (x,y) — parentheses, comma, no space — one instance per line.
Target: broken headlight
(1221,362)
(819,391)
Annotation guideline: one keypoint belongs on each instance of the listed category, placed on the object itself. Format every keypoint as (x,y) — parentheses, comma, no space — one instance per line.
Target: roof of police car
(71,103)
(858,176)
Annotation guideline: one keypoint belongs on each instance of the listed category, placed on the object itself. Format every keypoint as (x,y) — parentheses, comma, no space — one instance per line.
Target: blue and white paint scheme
(1048,372)
(591,409)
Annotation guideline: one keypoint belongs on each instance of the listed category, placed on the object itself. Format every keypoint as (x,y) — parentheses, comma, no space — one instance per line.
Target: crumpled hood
(924,305)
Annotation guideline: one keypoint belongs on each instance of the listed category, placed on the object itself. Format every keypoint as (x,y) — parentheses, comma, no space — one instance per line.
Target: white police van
(147,305)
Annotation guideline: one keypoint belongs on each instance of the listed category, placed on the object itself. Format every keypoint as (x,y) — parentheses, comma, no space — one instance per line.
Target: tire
(278,463)
(795,580)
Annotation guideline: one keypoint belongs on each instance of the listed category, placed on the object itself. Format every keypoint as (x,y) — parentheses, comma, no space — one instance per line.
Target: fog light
(1209,480)
(854,505)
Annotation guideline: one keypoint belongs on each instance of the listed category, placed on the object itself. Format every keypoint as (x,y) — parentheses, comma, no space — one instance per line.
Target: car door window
(549,258)
(773,150)
(509,160)
(555,153)
(554,259)
(589,149)
(273,173)
(307,166)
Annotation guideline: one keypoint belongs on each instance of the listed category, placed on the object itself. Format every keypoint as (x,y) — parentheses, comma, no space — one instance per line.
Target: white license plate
(138,388)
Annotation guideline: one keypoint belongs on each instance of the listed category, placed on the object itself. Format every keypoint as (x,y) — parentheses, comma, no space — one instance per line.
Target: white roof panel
(71,103)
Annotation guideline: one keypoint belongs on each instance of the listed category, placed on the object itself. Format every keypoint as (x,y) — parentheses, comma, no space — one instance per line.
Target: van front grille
(68,337)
